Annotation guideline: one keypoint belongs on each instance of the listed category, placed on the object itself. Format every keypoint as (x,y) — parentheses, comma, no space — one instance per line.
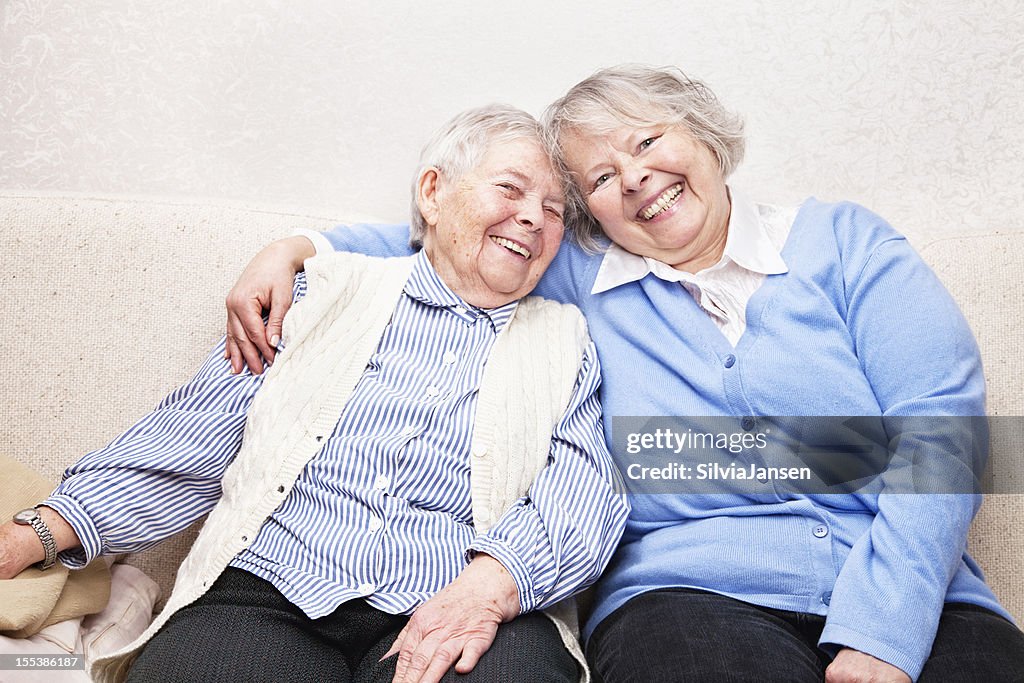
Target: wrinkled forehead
(595,127)
(525,158)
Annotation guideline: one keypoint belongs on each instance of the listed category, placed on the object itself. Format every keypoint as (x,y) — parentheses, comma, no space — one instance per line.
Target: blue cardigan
(858,326)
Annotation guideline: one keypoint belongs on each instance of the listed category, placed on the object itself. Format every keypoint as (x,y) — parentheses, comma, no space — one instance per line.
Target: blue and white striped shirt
(383,511)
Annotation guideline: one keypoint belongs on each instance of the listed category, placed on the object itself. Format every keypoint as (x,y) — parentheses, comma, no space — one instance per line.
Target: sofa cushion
(109,304)
(983,273)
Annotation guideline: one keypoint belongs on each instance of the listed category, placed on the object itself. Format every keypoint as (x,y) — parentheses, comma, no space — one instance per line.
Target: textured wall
(912,108)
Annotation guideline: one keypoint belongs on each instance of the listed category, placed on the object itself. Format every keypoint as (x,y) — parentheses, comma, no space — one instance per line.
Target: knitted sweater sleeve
(371,239)
(924,367)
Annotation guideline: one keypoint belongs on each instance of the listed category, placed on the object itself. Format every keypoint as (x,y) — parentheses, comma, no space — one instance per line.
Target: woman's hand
(20,547)
(456,626)
(265,284)
(853,666)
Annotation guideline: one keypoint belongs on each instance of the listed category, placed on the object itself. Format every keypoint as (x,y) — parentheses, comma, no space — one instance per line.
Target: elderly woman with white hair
(423,472)
(704,303)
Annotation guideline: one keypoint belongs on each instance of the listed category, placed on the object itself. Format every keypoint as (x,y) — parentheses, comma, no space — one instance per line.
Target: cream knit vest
(330,336)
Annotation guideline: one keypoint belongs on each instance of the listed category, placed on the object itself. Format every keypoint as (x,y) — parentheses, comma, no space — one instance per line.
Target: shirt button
(366,589)
(449,358)
(433,391)
(747,423)
(826,597)
(407,430)
(382,482)
(376,523)
(820,531)
(729,361)
(460,310)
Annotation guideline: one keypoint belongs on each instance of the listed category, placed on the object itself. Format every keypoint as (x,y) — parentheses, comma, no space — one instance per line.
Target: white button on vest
(479,452)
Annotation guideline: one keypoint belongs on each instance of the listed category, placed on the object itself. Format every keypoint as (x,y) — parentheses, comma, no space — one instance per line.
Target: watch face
(25,516)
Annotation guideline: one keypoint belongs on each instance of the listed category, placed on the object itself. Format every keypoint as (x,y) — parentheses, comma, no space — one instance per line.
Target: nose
(530,215)
(634,177)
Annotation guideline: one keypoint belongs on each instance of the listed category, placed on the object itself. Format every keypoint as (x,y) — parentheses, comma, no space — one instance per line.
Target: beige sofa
(109,303)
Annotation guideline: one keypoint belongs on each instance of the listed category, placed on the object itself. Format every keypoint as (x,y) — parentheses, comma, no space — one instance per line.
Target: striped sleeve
(557,539)
(164,472)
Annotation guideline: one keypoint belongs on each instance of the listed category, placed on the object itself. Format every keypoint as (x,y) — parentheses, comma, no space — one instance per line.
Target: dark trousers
(679,634)
(243,629)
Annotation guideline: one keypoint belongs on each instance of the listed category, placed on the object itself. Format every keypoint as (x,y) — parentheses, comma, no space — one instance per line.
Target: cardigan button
(479,452)
(826,598)
(747,423)
(729,361)
(820,531)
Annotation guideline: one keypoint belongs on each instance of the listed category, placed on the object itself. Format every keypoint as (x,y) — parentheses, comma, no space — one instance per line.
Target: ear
(428,187)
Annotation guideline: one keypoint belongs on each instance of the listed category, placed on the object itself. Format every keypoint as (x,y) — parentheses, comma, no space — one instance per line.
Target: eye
(648,142)
(553,212)
(509,187)
(601,180)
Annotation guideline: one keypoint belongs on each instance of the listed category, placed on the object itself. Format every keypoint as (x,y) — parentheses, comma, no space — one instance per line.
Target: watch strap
(46,538)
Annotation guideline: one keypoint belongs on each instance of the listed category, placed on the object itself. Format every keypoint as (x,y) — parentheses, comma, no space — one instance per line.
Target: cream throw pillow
(35,599)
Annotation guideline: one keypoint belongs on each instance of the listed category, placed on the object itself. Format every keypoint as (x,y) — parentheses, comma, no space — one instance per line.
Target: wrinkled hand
(456,626)
(265,284)
(19,548)
(853,666)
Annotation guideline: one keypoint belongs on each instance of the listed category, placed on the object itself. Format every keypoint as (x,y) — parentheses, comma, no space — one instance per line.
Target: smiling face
(493,232)
(656,191)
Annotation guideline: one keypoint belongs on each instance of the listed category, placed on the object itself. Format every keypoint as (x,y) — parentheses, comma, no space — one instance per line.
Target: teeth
(667,199)
(511,246)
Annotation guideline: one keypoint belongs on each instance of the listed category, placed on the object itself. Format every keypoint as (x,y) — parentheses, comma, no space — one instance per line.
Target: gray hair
(458,146)
(636,95)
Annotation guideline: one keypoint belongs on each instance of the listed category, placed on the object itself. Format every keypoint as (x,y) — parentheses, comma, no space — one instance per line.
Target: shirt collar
(747,244)
(426,286)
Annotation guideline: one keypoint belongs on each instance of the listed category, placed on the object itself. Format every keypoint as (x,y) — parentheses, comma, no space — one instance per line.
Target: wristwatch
(30,517)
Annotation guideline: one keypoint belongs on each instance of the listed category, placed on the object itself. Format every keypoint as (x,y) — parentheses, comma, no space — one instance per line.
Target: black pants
(243,629)
(678,634)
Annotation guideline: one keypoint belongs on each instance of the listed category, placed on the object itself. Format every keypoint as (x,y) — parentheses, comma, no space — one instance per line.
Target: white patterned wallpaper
(912,108)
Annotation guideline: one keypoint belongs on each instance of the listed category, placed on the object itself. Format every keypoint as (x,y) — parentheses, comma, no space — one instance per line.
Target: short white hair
(636,95)
(458,146)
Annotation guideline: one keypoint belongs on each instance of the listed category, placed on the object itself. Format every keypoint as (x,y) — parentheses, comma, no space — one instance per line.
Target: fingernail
(275,340)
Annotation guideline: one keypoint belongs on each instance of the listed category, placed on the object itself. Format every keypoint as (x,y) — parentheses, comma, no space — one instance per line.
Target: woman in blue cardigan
(703,303)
